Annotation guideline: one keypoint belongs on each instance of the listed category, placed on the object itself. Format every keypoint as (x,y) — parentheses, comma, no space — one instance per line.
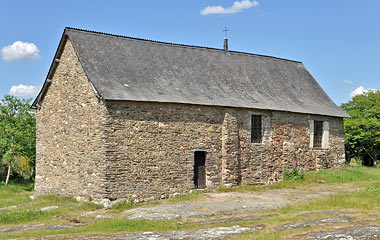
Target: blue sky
(338,41)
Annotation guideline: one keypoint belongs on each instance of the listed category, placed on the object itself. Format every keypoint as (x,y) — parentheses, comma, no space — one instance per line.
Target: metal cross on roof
(225,32)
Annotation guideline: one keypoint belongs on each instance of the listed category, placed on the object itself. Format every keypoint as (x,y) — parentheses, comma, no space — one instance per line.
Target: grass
(367,199)
(15,193)
(125,205)
(361,203)
(29,211)
(343,202)
(364,202)
(347,174)
(21,217)
(105,226)
(187,197)
(117,225)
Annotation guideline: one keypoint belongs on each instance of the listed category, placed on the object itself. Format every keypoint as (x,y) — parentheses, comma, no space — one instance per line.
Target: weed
(294,174)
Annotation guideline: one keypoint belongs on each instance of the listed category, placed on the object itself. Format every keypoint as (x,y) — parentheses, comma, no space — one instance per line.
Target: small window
(256,129)
(318,134)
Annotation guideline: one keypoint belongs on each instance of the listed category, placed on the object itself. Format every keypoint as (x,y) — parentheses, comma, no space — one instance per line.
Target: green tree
(363,128)
(17,137)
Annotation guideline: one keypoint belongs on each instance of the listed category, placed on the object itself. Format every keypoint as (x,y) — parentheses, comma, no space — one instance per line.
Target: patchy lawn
(321,201)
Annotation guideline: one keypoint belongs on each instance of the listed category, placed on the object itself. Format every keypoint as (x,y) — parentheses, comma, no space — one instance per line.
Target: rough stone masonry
(111,149)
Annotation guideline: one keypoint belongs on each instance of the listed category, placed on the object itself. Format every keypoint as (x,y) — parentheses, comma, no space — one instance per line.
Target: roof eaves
(343,115)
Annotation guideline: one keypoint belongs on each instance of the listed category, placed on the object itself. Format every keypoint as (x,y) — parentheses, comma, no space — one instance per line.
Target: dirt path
(233,203)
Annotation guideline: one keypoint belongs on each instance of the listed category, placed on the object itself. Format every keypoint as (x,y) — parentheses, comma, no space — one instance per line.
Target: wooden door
(200,169)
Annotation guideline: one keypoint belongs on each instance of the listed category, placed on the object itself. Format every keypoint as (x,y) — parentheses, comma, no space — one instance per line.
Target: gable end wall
(70,144)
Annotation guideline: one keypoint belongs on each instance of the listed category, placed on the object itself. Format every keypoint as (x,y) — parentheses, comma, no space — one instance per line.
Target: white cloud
(24,91)
(348,82)
(20,51)
(237,7)
(360,90)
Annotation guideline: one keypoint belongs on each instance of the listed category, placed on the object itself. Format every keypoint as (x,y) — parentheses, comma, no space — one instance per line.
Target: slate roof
(125,68)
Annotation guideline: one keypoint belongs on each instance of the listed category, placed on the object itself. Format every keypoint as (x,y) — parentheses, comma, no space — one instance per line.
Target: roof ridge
(177,44)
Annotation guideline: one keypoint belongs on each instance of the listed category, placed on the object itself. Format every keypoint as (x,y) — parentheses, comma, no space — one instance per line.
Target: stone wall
(150,148)
(70,143)
(145,150)
(286,145)
(231,162)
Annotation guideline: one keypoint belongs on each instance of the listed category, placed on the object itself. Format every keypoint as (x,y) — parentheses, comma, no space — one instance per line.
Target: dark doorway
(199,169)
